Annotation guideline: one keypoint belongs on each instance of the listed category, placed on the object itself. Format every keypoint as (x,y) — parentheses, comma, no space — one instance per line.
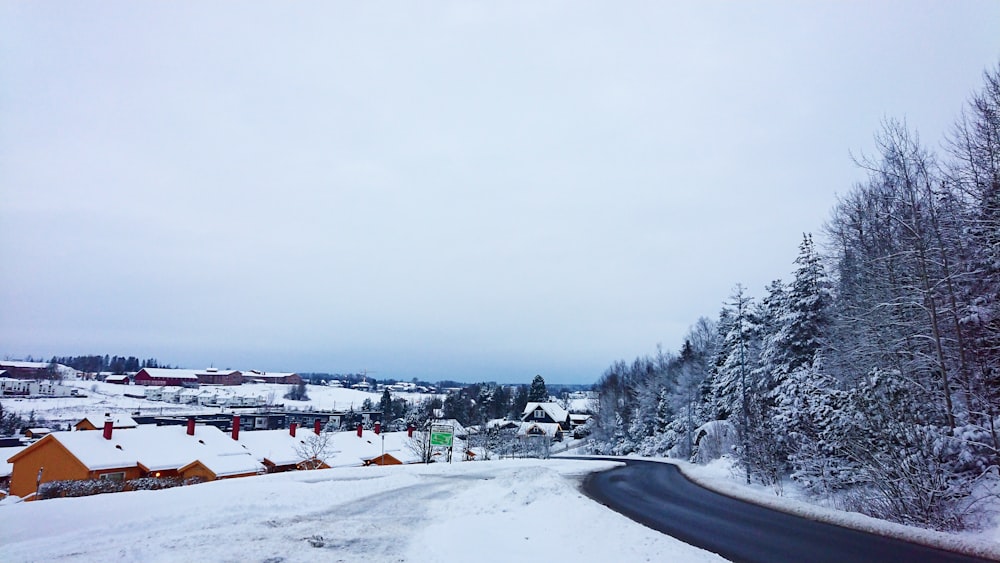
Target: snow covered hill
(508,510)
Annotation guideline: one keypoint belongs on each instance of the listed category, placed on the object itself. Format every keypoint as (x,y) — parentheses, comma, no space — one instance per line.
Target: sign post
(442,435)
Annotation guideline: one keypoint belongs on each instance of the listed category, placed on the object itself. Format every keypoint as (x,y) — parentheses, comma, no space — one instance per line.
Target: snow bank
(719,477)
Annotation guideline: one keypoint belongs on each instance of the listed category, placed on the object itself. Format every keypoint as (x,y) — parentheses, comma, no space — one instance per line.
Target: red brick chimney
(409,431)
(317,427)
(378,428)
(291,429)
(109,426)
(236,427)
(190,430)
(359,430)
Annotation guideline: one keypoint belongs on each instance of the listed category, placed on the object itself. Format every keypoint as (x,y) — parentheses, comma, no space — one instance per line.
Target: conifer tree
(538,393)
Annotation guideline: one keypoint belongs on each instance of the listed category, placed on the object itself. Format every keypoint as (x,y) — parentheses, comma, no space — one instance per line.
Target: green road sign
(441,435)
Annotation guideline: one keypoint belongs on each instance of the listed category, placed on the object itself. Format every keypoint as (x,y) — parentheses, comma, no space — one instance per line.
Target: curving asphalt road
(660,497)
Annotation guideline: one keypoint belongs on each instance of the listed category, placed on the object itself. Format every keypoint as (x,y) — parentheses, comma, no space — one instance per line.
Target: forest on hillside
(873,376)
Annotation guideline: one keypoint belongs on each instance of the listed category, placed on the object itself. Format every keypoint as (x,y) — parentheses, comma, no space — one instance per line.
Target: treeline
(479,403)
(113,364)
(872,377)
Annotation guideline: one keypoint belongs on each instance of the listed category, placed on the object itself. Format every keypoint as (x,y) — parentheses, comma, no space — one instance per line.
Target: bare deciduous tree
(314,450)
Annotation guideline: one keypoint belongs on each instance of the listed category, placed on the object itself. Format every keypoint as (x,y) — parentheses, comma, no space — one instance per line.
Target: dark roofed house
(546,413)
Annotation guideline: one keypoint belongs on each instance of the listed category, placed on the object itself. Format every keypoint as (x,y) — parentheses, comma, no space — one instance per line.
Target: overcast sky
(463,190)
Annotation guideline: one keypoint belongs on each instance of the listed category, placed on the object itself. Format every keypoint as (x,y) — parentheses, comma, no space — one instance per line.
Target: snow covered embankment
(717,476)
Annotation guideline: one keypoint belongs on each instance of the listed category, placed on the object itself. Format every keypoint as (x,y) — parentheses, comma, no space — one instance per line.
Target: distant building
(166,377)
(546,413)
(255,376)
(35,370)
(118,422)
(214,376)
(179,377)
(34,388)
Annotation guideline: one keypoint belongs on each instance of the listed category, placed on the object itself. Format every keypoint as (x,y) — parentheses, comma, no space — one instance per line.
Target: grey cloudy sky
(438,190)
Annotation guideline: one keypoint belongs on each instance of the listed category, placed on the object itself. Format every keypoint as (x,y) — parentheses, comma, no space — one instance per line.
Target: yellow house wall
(130,472)
(197,470)
(59,464)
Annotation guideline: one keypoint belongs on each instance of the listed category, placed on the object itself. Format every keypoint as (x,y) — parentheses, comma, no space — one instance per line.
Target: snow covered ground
(505,510)
(107,397)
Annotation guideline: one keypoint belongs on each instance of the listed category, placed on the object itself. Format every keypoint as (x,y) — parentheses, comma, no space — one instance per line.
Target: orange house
(384,459)
(146,451)
(119,421)
(281,450)
(218,468)
(52,459)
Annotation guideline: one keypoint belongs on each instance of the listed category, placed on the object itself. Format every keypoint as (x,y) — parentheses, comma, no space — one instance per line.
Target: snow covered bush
(87,487)
(153,483)
(59,489)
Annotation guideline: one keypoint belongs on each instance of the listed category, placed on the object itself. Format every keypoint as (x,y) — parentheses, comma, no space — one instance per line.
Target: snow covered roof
(113,378)
(253,374)
(36,365)
(350,451)
(164,373)
(225,465)
(556,412)
(118,421)
(549,429)
(29,365)
(216,371)
(276,446)
(501,423)
(156,448)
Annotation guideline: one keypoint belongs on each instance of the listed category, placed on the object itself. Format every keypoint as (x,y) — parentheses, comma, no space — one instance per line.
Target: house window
(119,476)
(539,413)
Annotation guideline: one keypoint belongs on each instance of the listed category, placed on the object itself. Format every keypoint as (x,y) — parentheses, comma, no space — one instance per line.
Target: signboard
(442,435)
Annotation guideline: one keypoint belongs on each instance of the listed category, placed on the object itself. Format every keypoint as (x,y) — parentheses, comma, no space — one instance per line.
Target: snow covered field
(107,397)
(506,510)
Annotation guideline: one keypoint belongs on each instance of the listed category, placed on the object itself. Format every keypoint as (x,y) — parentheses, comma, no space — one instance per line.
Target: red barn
(178,377)
(160,376)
